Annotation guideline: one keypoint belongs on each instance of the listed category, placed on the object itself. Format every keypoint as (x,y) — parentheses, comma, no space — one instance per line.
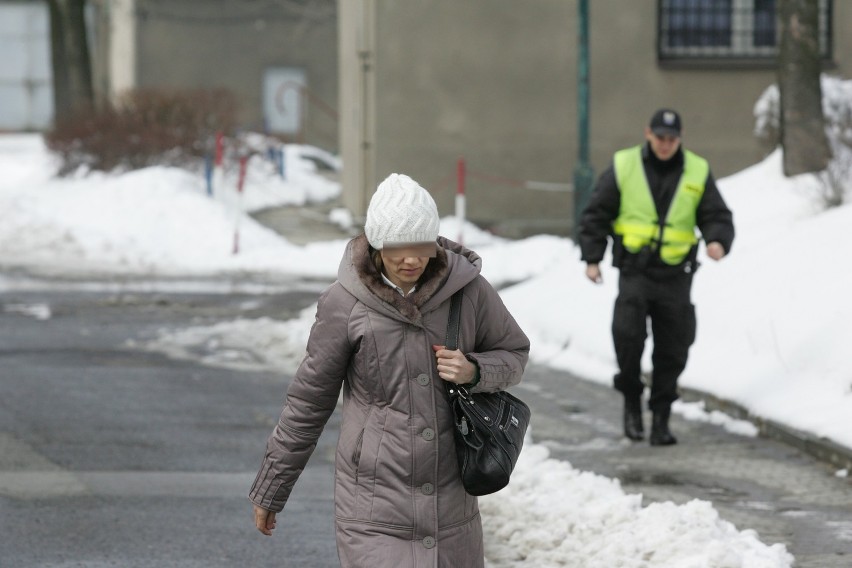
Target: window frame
(741,53)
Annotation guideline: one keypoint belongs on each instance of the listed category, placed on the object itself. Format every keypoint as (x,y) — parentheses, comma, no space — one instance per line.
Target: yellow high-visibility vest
(638,222)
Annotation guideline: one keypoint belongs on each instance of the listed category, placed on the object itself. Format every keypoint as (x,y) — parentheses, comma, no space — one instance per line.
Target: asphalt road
(115,456)
(112,456)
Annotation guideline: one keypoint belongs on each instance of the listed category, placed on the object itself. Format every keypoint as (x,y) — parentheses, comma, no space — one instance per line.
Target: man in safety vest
(650,202)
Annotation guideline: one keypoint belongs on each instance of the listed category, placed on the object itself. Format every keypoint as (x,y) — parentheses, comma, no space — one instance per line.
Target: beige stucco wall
(356,44)
(628,85)
(717,104)
(221,43)
(495,81)
(485,81)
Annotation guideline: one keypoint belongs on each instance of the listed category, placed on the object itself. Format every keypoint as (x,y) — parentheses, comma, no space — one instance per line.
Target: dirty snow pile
(554,515)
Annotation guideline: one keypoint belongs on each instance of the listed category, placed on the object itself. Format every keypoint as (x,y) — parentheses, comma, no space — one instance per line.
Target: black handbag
(489,427)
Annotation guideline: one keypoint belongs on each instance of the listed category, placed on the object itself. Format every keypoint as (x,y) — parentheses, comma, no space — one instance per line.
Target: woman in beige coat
(378,335)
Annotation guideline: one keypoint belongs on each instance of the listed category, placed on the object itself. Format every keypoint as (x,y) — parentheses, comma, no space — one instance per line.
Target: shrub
(143,127)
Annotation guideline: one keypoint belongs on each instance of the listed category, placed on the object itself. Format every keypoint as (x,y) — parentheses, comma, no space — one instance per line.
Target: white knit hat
(401,212)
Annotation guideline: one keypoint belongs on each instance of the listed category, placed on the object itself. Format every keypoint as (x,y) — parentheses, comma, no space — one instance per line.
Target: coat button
(428,434)
(429,542)
(427,488)
(423,379)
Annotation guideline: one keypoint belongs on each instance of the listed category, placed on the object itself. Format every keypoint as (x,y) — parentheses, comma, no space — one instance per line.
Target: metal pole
(584,175)
(461,172)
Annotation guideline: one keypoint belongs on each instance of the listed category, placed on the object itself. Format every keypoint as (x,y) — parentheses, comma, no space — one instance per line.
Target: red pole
(460,197)
(241,180)
(218,167)
(219,148)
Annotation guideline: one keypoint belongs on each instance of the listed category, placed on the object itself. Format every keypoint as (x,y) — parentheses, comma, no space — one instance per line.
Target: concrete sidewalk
(303,225)
(820,448)
(759,483)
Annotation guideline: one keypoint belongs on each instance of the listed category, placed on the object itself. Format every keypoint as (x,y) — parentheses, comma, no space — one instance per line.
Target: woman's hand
(453,366)
(264,520)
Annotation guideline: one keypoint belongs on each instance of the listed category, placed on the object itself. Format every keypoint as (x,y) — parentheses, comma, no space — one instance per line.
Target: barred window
(726,30)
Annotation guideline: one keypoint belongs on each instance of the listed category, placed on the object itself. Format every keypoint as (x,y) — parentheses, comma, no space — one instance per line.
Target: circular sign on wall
(283,106)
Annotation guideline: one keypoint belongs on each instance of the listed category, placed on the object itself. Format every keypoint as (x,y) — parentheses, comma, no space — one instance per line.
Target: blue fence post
(282,169)
(208,173)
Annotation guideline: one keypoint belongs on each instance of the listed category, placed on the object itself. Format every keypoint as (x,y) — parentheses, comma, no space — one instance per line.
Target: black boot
(660,435)
(633,427)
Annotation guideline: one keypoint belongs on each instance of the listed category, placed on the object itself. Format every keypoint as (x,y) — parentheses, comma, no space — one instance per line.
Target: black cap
(665,122)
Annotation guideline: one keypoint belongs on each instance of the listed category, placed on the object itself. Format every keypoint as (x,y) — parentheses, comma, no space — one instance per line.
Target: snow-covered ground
(772,324)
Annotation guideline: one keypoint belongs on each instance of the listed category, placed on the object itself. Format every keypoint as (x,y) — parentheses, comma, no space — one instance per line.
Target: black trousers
(666,303)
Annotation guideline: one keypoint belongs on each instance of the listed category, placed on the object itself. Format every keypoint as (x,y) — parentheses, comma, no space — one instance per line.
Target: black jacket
(714,219)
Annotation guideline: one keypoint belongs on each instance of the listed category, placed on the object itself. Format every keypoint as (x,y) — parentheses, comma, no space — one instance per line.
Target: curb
(822,449)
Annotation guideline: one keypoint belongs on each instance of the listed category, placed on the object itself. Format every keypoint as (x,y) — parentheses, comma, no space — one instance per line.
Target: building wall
(485,81)
(221,43)
(497,84)
(717,104)
(26,89)
(628,85)
(356,45)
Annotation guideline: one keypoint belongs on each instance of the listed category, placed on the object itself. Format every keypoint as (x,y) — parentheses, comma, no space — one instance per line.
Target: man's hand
(453,366)
(593,273)
(715,250)
(264,520)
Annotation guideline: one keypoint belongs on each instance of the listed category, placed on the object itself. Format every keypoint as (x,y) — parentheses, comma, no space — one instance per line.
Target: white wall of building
(26,90)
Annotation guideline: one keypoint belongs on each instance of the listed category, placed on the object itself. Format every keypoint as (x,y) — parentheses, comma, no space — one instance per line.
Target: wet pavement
(758,483)
(114,455)
(303,225)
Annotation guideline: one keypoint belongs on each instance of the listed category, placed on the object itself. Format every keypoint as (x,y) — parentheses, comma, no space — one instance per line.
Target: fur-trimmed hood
(450,270)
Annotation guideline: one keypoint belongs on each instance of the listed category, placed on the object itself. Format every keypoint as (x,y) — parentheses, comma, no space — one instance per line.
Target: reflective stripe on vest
(638,222)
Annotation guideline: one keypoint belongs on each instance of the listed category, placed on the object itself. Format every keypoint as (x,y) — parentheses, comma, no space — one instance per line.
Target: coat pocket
(356,453)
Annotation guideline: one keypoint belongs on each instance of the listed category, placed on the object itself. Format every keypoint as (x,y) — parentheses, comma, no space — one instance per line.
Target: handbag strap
(452,342)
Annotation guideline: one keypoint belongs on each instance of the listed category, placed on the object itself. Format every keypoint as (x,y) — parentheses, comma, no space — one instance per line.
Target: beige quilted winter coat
(398,497)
